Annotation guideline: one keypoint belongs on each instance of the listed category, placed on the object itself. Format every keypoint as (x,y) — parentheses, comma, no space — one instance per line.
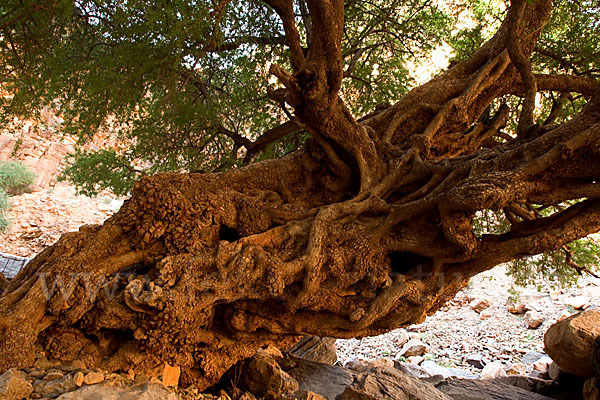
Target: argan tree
(367,227)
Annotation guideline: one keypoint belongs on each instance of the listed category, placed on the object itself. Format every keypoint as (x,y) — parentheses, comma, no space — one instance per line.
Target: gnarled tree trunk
(366,229)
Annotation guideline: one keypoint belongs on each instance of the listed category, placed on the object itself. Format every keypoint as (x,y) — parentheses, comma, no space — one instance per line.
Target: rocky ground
(39,218)
(478,328)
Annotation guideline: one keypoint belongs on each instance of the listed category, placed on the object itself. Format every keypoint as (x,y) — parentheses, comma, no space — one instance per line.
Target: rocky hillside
(51,208)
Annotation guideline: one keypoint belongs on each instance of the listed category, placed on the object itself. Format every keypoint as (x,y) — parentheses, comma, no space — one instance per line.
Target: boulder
(493,370)
(480,304)
(105,391)
(326,380)
(55,387)
(570,342)
(591,389)
(475,360)
(315,348)
(432,368)
(535,385)
(578,302)
(385,383)
(263,377)
(14,386)
(533,319)
(413,347)
(411,369)
(468,389)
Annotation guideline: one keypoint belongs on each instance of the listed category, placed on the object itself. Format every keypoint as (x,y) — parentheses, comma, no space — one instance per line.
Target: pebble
(578,302)
(78,378)
(94,377)
(493,370)
(475,360)
(478,305)
(533,319)
(413,347)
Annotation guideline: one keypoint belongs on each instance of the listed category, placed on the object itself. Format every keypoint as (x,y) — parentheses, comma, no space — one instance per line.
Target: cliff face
(51,208)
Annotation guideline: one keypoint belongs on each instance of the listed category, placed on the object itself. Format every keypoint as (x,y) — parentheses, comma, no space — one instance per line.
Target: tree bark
(366,229)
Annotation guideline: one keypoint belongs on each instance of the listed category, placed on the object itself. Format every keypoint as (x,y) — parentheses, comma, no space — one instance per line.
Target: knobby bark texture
(366,229)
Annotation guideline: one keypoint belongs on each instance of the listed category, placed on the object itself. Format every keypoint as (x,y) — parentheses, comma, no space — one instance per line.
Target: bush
(4,206)
(15,177)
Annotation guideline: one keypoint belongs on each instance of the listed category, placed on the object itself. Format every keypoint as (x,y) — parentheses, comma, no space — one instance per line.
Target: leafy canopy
(181,84)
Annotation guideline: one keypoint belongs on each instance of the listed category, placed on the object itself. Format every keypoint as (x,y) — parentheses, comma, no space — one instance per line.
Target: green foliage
(176,84)
(381,37)
(486,18)
(15,179)
(94,171)
(553,267)
(4,207)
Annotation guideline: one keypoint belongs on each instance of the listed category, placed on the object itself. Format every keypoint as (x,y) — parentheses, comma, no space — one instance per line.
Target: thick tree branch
(285,10)
(523,65)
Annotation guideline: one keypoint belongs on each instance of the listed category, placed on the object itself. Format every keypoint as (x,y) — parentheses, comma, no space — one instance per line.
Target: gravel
(457,332)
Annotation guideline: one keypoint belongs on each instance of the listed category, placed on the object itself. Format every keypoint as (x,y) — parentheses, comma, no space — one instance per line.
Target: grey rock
(434,369)
(328,381)
(467,389)
(475,360)
(14,386)
(10,264)
(386,383)
(104,391)
(56,387)
(315,348)
(262,376)
(532,357)
(411,369)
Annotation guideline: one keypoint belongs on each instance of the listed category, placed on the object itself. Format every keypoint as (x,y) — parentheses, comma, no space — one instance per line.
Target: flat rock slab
(144,391)
(10,265)
(327,380)
(389,383)
(467,389)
